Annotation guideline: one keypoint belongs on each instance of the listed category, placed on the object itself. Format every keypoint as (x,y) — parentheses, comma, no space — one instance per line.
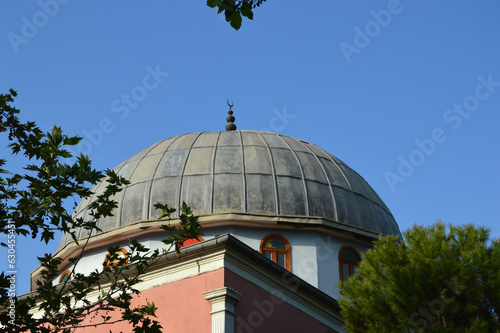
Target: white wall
(314,255)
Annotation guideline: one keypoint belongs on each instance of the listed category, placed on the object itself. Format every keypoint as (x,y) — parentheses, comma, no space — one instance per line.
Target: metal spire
(230,119)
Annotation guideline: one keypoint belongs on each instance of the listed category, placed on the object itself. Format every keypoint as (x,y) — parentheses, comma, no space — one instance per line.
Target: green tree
(234,9)
(33,205)
(439,279)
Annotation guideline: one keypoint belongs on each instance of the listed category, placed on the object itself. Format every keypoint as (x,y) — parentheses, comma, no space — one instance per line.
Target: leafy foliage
(188,227)
(234,10)
(33,204)
(440,279)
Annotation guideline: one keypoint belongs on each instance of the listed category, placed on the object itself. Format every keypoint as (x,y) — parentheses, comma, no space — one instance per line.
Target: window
(120,254)
(276,248)
(191,241)
(349,259)
(65,276)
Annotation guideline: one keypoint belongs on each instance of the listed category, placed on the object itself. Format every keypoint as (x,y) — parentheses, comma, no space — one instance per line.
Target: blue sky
(407,93)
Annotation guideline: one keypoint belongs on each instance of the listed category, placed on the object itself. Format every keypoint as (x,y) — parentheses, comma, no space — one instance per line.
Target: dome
(243,171)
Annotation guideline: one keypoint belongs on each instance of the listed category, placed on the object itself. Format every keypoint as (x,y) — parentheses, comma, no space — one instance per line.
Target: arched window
(120,254)
(191,241)
(276,248)
(65,276)
(349,259)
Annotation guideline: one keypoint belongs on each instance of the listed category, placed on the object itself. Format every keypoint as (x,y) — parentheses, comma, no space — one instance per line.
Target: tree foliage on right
(439,279)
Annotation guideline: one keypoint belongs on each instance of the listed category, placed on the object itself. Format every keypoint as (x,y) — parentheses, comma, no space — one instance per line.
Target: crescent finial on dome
(230,119)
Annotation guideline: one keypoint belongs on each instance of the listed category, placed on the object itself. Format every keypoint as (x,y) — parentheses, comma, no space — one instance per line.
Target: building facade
(284,221)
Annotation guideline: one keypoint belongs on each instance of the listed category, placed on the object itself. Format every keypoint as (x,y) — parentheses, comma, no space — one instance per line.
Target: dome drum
(243,171)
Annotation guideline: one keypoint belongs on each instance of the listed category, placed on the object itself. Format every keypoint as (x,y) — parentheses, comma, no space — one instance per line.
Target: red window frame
(275,252)
(191,241)
(68,272)
(351,264)
(115,263)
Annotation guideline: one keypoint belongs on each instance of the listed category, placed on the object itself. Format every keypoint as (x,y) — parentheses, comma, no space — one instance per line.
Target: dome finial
(230,119)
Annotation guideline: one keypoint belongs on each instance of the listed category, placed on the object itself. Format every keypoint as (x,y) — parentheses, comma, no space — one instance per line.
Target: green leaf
(71,141)
(236,20)
(246,10)
(214,3)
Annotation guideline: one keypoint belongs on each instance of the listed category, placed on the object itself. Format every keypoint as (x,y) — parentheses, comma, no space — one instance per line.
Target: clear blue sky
(406,93)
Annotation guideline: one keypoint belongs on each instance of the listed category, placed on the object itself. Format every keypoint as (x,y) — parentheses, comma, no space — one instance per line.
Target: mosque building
(283,222)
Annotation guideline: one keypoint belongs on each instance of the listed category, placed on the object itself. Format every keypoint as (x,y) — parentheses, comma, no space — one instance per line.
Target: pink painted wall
(262,312)
(182,308)
(181,305)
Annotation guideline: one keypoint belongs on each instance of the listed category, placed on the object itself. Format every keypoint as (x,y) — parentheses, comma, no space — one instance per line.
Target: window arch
(65,276)
(277,248)
(120,254)
(191,241)
(349,259)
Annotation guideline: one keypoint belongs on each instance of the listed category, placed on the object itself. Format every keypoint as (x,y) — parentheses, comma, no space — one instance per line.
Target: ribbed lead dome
(244,171)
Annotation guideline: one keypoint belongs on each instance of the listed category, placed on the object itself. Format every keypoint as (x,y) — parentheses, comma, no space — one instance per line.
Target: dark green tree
(32,204)
(234,9)
(438,279)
